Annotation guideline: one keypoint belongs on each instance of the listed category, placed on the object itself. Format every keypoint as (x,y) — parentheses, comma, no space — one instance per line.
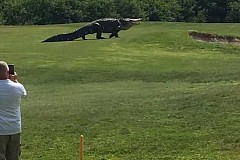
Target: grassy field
(152,94)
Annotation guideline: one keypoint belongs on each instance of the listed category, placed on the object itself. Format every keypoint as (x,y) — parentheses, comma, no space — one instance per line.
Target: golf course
(154,93)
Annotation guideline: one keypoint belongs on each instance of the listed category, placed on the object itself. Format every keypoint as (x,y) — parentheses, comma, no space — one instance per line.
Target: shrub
(233,14)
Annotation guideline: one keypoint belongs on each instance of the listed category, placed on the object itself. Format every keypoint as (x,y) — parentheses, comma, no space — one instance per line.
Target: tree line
(36,12)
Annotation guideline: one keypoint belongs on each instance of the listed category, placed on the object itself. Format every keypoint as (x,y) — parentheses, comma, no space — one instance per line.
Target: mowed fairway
(152,94)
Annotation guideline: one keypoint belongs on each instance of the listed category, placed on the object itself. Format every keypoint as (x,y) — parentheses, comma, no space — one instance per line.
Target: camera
(11,69)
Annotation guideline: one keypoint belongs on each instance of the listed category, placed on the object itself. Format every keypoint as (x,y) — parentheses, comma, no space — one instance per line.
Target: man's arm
(14,79)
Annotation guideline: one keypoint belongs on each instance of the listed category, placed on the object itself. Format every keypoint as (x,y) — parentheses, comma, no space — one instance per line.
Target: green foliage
(13,12)
(187,10)
(162,10)
(201,16)
(129,8)
(1,12)
(217,11)
(96,9)
(234,12)
(43,12)
(17,12)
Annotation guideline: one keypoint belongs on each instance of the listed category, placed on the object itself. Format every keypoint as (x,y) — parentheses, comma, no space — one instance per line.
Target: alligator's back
(108,25)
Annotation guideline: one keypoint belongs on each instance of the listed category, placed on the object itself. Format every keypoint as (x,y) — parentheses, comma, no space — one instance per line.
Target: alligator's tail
(81,32)
(60,37)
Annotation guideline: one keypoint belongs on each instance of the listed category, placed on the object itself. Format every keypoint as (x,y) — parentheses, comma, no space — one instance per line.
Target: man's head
(4,70)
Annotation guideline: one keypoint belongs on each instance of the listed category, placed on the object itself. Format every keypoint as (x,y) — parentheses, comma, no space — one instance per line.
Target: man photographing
(11,92)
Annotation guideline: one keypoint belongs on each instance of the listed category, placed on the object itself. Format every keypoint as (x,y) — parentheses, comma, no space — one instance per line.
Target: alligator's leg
(115,33)
(83,37)
(98,29)
(99,35)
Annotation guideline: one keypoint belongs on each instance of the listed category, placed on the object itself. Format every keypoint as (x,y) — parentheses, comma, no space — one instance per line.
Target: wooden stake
(81,147)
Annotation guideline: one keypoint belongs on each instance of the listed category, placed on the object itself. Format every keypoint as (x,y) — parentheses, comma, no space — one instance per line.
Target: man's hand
(13,77)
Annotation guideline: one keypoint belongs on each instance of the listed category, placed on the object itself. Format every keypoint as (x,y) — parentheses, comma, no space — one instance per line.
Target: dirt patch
(209,37)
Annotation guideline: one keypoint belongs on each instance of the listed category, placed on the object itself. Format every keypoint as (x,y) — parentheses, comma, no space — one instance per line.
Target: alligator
(104,25)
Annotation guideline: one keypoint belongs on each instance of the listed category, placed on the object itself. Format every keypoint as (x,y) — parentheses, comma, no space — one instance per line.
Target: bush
(48,12)
(200,17)
(130,9)
(162,10)
(95,9)
(233,12)
(19,12)
(14,13)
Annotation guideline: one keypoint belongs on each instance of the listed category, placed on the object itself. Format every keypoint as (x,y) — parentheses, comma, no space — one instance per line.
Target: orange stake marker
(81,147)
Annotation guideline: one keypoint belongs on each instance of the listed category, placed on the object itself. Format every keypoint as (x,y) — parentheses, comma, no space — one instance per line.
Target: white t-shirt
(10,101)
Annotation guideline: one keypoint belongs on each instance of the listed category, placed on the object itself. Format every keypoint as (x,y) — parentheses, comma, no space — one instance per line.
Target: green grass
(152,94)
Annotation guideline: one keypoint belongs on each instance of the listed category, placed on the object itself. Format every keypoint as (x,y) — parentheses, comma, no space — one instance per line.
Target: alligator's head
(127,23)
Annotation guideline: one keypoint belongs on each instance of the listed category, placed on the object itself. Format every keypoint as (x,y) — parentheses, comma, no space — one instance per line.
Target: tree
(216,10)
(129,8)
(20,12)
(233,14)
(96,9)
(162,10)
(188,10)
(13,13)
